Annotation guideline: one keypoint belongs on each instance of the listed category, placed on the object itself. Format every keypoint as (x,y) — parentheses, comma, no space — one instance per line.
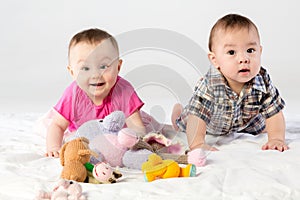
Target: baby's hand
(53,153)
(275,144)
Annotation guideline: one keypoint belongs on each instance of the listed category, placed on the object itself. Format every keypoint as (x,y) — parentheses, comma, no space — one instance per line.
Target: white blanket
(240,170)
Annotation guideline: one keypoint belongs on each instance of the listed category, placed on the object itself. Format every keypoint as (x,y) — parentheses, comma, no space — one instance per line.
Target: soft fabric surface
(240,170)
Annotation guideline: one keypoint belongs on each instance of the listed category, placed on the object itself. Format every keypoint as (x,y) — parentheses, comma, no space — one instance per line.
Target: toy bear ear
(83,152)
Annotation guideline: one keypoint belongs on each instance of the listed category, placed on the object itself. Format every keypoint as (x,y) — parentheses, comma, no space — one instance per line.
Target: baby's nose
(244,59)
(97,73)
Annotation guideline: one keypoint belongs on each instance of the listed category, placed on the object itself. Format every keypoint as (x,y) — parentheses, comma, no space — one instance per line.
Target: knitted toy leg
(150,123)
(142,145)
(135,159)
(181,159)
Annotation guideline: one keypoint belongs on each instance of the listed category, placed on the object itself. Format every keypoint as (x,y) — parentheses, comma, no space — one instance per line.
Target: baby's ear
(70,70)
(261,48)
(212,58)
(120,64)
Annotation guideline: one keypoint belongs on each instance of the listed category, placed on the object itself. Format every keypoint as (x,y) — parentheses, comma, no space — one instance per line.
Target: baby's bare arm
(275,127)
(55,135)
(196,131)
(135,123)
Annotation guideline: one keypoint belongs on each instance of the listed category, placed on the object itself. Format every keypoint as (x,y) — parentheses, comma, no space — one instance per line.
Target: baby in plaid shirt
(236,94)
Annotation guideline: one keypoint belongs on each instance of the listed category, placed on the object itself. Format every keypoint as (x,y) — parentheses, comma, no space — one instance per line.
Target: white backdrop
(35,34)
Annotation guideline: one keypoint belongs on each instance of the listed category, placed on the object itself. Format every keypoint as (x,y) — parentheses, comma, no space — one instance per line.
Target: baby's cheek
(110,77)
(81,79)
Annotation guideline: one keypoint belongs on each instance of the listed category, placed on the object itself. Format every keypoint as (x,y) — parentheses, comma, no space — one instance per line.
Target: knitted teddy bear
(64,189)
(157,168)
(122,147)
(73,155)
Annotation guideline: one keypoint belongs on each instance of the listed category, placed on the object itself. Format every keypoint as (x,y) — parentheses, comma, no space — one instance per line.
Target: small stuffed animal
(64,190)
(157,168)
(73,155)
(102,173)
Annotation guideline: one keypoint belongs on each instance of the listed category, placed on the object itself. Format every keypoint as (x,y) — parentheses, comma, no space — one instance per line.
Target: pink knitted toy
(64,190)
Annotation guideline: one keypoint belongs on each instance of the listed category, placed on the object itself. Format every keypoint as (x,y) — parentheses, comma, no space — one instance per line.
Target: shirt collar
(217,79)
(258,83)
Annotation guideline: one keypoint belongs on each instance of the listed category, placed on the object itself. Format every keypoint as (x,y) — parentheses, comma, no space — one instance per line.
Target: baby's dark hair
(230,21)
(92,36)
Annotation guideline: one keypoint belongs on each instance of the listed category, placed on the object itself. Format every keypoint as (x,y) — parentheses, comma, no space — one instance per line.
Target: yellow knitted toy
(157,168)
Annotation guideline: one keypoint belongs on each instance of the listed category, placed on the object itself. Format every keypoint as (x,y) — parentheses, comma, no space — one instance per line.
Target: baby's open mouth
(244,70)
(97,84)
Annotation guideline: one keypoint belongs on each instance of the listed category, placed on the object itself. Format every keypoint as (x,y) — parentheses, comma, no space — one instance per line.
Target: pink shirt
(78,108)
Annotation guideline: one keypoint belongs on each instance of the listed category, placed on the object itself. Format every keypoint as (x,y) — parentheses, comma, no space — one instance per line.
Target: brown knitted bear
(73,155)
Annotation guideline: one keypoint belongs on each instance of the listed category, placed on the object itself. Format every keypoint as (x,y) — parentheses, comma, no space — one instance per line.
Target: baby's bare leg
(177,110)
(264,131)
(152,125)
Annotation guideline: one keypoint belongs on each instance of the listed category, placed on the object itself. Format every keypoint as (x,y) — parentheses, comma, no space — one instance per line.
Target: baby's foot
(197,157)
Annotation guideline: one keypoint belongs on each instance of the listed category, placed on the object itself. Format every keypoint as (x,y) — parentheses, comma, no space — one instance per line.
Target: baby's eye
(103,67)
(85,68)
(231,52)
(251,50)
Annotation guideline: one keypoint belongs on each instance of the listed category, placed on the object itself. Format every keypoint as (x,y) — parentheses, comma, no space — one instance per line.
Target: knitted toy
(64,189)
(73,155)
(102,173)
(122,147)
(157,168)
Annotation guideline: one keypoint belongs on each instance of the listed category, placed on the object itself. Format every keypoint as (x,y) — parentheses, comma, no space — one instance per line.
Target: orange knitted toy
(73,155)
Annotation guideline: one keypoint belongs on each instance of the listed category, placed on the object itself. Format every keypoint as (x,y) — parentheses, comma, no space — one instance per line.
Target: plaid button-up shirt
(225,112)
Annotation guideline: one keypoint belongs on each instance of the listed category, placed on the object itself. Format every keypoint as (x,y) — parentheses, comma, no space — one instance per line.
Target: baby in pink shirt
(77,107)
(96,91)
